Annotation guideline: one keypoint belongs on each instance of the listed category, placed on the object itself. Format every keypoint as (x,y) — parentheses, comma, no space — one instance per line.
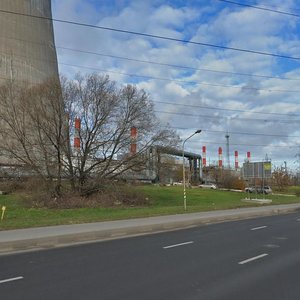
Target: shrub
(105,195)
(25,184)
(9,186)
(238,184)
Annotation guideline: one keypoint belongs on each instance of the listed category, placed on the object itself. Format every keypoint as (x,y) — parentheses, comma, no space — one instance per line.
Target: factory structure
(27,49)
(248,170)
(165,165)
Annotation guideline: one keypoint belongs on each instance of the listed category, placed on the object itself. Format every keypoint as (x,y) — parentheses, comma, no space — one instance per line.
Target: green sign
(267,166)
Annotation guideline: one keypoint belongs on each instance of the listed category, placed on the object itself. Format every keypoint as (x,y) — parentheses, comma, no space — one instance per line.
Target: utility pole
(183,168)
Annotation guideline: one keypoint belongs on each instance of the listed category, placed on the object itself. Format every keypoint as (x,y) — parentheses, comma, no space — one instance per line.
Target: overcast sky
(253,97)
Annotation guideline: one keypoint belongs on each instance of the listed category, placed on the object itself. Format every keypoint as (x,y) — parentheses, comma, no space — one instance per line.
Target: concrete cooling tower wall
(27,50)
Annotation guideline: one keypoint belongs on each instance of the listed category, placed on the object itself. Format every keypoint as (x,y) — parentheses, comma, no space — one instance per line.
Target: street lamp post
(183,169)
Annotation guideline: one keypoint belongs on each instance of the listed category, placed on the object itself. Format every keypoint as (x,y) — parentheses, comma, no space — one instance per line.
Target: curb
(89,236)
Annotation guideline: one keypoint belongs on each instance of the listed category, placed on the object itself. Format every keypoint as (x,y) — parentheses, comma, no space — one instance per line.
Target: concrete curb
(57,236)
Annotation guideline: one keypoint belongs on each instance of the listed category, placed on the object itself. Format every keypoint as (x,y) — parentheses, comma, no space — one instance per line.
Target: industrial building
(27,49)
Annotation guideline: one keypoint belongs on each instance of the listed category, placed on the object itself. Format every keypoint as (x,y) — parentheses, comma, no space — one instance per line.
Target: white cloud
(232,26)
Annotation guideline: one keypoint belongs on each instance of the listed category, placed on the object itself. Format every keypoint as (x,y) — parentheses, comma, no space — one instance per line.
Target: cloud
(211,96)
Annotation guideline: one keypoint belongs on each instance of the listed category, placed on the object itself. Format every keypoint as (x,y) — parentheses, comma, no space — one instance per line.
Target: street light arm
(196,132)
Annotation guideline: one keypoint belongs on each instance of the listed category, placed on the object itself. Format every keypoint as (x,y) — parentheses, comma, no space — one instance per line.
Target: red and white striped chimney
(248,156)
(204,156)
(77,133)
(133,136)
(236,159)
(220,157)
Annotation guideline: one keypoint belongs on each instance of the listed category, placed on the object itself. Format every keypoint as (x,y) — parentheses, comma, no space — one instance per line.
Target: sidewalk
(55,236)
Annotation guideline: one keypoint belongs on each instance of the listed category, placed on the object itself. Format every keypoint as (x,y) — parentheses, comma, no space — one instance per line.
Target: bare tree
(38,128)
(107,114)
(33,129)
(280,178)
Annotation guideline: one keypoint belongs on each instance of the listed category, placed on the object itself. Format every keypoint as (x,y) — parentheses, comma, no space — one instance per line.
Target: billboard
(257,170)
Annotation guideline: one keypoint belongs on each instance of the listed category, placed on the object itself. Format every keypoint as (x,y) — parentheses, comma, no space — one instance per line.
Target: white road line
(178,245)
(257,228)
(11,279)
(252,259)
(298,220)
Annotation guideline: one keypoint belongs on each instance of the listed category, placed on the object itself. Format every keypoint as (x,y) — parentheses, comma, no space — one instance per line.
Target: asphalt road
(250,259)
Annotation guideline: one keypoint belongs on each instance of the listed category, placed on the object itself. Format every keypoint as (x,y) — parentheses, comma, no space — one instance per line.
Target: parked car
(208,186)
(268,190)
(250,190)
(265,190)
(259,190)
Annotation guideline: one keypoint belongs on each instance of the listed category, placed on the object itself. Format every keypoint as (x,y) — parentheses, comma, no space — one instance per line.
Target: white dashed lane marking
(11,279)
(252,259)
(178,245)
(258,228)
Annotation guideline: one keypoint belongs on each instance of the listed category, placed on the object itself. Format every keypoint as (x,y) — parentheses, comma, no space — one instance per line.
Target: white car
(208,186)
(267,190)
(259,190)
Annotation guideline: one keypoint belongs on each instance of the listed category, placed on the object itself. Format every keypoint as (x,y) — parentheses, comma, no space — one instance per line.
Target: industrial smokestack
(220,157)
(77,133)
(248,156)
(27,50)
(204,156)
(236,160)
(133,136)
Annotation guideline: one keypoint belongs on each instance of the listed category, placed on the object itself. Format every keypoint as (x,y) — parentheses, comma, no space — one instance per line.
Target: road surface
(250,259)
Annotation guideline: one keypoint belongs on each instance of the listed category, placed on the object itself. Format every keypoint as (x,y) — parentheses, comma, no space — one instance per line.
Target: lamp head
(198,131)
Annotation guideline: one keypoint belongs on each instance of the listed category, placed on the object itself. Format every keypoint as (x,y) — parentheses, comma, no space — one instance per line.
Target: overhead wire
(154,36)
(226,109)
(236,132)
(176,66)
(183,41)
(183,81)
(262,8)
(207,107)
(215,108)
(225,117)
(241,87)
(179,81)
(157,63)
(246,145)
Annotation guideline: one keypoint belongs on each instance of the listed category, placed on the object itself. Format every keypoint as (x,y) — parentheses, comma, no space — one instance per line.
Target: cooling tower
(27,49)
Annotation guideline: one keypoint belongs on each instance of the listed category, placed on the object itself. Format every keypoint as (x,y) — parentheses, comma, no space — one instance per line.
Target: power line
(262,8)
(189,105)
(153,62)
(182,81)
(227,109)
(246,145)
(237,133)
(180,104)
(175,66)
(221,117)
(160,37)
(214,108)
(173,80)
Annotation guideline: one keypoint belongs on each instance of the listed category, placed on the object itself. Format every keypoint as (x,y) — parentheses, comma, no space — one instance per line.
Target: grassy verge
(163,201)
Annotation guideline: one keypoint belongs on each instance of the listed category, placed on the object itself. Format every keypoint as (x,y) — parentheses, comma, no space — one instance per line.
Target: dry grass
(106,194)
